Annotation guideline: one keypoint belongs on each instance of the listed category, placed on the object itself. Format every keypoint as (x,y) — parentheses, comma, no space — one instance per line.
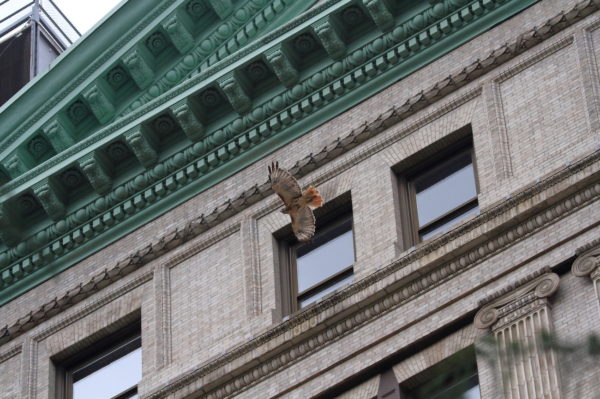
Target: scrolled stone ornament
(586,263)
(547,285)
(27,203)
(486,317)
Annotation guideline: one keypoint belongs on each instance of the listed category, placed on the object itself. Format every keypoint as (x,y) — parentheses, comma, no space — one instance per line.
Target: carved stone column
(588,264)
(518,315)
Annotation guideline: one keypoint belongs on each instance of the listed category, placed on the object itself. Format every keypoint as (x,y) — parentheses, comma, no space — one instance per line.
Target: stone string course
(306,165)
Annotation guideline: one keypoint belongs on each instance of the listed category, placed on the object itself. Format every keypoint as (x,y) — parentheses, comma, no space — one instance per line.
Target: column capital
(517,300)
(587,262)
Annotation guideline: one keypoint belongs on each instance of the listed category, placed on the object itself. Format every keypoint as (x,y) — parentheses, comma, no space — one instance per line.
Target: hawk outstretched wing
(303,223)
(284,184)
(297,203)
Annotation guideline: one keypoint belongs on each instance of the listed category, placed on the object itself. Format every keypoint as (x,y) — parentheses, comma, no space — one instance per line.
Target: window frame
(94,358)
(468,376)
(432,170)
(329,226)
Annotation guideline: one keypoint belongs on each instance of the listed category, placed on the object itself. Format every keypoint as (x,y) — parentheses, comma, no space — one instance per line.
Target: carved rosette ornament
(518,315)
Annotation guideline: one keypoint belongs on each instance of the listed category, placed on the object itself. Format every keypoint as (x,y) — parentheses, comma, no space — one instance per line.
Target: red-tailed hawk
(296,202)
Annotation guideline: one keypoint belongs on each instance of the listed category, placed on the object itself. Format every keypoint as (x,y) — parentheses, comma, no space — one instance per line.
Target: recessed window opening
(325,264)
(438,192)
(445,194)
(110,369)
(310,270)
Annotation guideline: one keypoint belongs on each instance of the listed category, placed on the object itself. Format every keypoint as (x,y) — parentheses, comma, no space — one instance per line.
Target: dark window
(312,270)
(110,369)
(452,378)
(437,195)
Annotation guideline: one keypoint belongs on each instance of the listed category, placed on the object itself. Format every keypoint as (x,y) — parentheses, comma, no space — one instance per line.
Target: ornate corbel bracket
(588,261)
(96,173)
(380,13)
(190,124)
(330,39)
(235,93)
(139,68)
(59,136)
(141,147)
(516,301)
(100,104)
(50,199)
(282,66)
(180,35)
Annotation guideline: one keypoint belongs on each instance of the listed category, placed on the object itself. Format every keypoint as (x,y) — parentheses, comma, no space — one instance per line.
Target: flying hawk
(296,202)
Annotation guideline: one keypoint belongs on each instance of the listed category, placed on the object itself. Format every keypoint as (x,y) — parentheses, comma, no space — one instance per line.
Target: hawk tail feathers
(312,197)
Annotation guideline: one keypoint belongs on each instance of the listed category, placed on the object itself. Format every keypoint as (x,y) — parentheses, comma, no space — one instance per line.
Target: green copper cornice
(174,39)
(314,67)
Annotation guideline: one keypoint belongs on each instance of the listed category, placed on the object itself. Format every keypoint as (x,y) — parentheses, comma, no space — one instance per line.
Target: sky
(85,14)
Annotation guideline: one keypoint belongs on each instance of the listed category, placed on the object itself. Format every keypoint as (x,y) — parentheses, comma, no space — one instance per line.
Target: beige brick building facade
(524,95)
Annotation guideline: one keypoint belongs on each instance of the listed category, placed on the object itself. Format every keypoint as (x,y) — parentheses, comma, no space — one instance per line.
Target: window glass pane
(461,390)
(325,261)
(472,393)
(449,223)
(446,194)
(319,294)
(112,379)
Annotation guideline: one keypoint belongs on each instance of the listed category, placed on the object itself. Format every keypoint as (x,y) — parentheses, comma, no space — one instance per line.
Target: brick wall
(206,299)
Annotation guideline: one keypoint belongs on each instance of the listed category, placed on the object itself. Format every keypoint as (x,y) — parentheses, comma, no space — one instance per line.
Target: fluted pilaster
(517,317)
